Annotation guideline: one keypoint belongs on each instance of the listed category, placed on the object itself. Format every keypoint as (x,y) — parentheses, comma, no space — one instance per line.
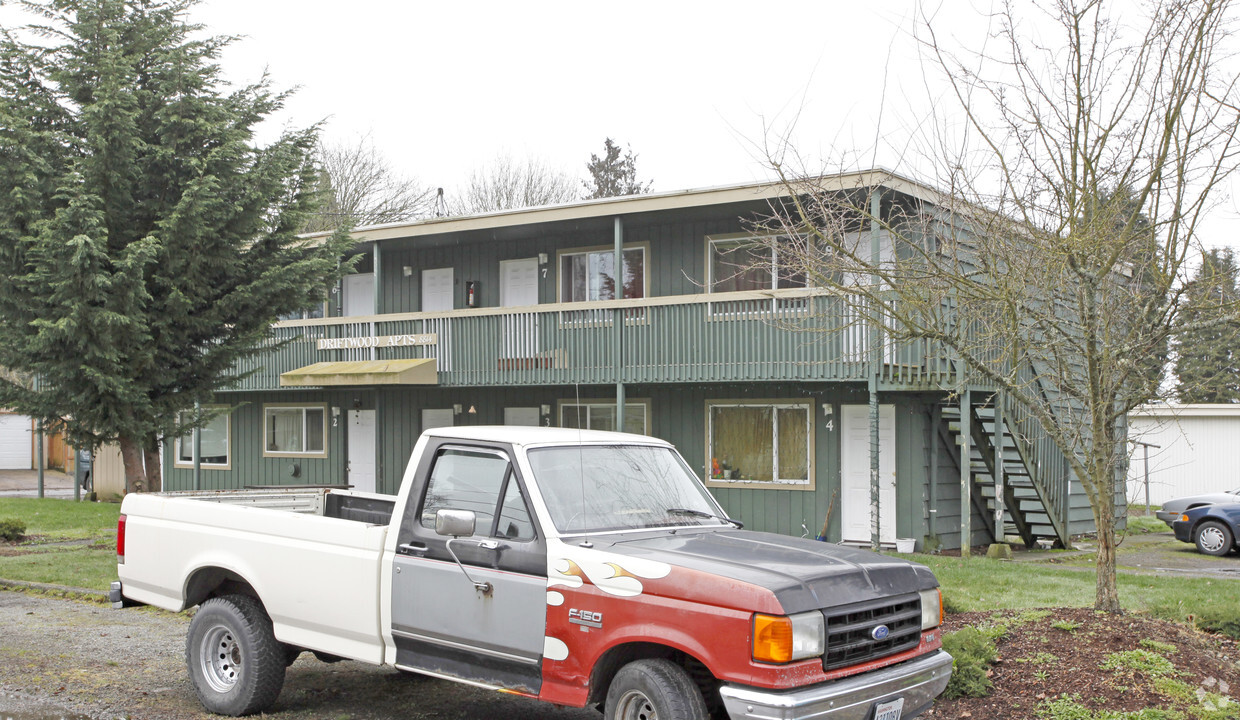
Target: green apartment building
(760,381)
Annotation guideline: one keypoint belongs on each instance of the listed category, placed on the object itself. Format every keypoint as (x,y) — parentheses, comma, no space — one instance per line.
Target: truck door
(442,624)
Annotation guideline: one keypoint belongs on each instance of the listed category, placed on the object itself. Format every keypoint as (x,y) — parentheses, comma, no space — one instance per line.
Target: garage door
(15,442)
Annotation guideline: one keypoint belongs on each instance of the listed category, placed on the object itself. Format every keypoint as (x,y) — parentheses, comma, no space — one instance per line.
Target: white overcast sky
(443,88)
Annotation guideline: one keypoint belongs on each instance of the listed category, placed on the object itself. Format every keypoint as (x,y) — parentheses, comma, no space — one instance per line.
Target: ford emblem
(880,633)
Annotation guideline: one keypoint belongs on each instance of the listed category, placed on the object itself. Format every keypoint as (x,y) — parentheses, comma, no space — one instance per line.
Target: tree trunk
(135,465)
(154,474)
(1107,596)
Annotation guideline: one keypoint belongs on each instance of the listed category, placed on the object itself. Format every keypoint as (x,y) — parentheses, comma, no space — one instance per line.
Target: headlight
(931,608)
(784,638)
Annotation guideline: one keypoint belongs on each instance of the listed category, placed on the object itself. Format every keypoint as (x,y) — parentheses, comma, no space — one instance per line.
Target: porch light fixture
(406,270)
(456,409)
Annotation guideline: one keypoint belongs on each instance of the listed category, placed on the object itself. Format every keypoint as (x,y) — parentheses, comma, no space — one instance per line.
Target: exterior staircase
(1034,474)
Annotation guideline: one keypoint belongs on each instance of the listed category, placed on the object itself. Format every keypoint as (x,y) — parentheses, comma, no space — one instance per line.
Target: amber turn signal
(772,638)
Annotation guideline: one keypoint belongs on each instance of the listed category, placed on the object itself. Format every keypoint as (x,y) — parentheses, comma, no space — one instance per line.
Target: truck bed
(312,555)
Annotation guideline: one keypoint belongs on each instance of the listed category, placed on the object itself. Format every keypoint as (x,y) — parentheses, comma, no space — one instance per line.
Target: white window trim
(777,483)
(568,252)
(296,406)
(736,239)
(589,402)
(228,446)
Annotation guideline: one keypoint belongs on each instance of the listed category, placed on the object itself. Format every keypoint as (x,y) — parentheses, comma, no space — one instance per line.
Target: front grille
(850,638)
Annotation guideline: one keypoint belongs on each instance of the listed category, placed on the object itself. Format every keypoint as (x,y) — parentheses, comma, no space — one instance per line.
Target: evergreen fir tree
(1207,364)
(614,174)
(147,243)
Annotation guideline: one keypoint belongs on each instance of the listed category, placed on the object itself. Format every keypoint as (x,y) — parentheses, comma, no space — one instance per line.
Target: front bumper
(1167,517)
(918,681)
(1183,531)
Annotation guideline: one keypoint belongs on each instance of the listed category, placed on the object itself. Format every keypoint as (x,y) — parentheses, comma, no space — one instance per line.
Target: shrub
(12,529)
(973,651)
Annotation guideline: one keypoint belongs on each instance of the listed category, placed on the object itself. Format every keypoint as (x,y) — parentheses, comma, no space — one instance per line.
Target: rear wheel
(1213,538)
(654,690)
(235,662)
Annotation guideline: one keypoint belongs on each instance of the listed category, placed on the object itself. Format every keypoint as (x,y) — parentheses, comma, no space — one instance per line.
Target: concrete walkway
(25,483)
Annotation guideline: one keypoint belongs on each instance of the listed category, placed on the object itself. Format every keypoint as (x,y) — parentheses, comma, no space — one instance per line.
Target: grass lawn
(983,584)
(68,543)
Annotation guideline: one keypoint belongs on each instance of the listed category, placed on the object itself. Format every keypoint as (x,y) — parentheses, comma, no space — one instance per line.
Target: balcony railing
(744,336)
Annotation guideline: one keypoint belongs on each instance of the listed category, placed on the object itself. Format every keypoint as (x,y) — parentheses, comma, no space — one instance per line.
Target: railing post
(998,443)
(966,471)
(39,432)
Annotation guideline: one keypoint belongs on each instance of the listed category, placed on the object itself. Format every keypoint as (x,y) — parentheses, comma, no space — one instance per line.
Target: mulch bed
(1038,662)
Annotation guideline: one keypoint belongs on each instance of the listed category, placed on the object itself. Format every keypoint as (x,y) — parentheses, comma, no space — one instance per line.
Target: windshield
(592,488)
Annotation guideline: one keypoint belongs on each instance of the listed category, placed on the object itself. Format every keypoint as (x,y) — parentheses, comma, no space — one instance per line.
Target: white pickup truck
(580,568)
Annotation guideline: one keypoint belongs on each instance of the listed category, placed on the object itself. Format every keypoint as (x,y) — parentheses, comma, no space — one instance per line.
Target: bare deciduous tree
(1053,260)
(508,184)
(360,187)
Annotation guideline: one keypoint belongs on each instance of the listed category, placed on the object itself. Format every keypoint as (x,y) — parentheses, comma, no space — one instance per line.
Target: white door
(15,443)
(437,290)
(361,468)
(855,472)
(359,294)
(521,416)
(518,287)
(437,417)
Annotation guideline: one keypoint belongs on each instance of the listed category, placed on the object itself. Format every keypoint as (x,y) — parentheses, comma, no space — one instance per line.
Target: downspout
(618,324)
(875,349)
(197,447)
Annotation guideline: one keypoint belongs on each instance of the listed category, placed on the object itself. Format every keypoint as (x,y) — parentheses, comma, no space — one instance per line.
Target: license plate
(889,710)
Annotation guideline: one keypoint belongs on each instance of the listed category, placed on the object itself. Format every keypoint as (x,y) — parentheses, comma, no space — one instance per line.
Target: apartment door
(437,290)
(518,287)
(359,294)
(437,417)
(855,472)
(528,416)
(361,466)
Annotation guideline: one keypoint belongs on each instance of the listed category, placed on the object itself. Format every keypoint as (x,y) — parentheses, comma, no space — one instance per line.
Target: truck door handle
(415,549)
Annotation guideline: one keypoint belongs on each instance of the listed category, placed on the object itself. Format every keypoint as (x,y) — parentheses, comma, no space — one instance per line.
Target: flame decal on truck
(572,566)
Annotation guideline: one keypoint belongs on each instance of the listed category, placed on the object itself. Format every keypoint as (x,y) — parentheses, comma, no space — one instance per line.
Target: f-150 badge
(585,617)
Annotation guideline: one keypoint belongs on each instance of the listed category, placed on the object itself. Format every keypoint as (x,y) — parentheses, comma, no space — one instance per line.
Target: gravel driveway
(63,658)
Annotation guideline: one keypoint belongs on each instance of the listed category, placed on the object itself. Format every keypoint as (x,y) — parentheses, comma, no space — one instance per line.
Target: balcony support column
(875,352)
(966,471)
(378,290)
(617,323)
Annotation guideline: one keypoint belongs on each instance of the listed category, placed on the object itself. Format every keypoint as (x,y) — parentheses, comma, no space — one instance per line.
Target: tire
(654,690)
(235,662)
(1213,538)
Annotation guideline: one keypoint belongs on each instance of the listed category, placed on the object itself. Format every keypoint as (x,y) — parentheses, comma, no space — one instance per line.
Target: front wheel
(235,662)
(654,690)
(1213,538)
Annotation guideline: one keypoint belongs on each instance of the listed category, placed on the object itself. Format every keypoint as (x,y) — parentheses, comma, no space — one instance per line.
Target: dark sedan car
(1174,508)
(1213,528)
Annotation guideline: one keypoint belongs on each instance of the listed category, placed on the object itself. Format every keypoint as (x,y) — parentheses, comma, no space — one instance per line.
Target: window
(753,263)
(601,415)
(294,429)
(213,443)
(481,481)
(760,443)
(590,274)
(317,310)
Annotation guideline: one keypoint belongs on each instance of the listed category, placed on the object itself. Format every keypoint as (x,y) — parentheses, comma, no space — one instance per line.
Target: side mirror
(457,523)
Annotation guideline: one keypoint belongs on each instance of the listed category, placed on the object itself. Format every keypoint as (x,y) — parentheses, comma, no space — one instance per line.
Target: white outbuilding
(16,441)
(1192,449)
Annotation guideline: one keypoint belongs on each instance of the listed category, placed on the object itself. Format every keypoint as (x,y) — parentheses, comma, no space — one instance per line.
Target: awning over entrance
(363,372)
